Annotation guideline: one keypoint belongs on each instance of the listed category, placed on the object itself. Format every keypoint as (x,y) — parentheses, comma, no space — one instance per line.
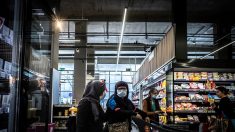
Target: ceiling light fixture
(59,24)
(69,40)
(121,36)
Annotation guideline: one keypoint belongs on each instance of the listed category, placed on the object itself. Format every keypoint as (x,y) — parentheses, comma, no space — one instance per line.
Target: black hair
(151,91)
(223,90)
(203,118)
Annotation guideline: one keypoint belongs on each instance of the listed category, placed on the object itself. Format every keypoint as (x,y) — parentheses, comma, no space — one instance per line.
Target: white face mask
(154,96)
(122,93)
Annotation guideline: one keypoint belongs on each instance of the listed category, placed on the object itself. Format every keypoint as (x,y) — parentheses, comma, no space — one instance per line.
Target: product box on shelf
(2,74)
(1,64)
(6,35)
(7,67)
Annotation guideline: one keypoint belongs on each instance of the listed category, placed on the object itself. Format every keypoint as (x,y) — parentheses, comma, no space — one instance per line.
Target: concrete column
(80,61)
(179,12)
(222,37)
(90,62)
(55,46)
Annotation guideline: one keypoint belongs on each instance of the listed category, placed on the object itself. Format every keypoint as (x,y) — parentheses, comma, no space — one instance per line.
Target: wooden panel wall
(163,52)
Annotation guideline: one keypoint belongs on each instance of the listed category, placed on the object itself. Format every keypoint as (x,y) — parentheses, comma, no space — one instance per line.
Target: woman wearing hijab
(120,109)
(224,109)
(151,105)
(90,115)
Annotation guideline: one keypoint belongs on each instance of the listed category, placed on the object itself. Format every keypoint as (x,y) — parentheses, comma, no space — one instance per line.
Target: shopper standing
(120,109)
(151,106)
(224,109)
(90,115)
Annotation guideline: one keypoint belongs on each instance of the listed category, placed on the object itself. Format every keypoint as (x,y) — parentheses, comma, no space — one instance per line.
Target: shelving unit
(5,74)
(192,96)
(190,88)
(60,117)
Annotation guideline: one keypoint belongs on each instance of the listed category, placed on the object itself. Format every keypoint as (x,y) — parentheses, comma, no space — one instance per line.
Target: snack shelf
(194,91)
(186,122)
(193,112)
(193,101)
(197,90)
(61,128)
(204,80)
(61,117)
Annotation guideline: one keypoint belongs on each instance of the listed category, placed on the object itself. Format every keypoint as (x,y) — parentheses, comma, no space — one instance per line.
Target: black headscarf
(123,101)
(122,83)
(92,93)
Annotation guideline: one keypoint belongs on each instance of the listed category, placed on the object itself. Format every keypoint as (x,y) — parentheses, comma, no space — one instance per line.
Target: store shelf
(195,101)
(62,105)
(193,112)
(193,90)
(190,101)
(216,81)
(186,122)
(61,128)
(60,117)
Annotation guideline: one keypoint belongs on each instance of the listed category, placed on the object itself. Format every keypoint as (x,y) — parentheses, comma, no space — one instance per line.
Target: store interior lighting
(59,24)
(121,37)
(69,40)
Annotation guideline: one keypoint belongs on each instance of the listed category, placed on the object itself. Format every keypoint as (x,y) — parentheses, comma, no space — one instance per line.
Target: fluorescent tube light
(69,40)
(121,37)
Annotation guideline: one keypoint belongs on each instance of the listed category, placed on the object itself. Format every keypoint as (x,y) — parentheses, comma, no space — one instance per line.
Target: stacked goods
(197,76)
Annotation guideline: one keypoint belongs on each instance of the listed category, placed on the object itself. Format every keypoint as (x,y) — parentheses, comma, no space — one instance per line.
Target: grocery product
(196,77)
(203,75)
(191,76)
(216,76)
(200,86)
(193,85)
(185,86)
(185,76)
(179,75)
(230,76)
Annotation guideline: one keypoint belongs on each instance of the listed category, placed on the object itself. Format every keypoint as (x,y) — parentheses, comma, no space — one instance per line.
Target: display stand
(5,74)
(61,116)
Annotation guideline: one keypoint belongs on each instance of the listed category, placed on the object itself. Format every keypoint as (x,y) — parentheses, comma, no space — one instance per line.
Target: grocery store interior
(51,49)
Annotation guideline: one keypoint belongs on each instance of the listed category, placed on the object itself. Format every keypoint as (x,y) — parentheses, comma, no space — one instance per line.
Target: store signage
(62,69)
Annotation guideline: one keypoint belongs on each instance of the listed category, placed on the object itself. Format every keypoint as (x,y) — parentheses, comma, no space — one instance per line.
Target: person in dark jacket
(151,105)
(225,107)
(90,115)
(120,109)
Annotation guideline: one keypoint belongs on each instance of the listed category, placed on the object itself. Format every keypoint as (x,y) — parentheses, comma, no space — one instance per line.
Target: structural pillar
(179,12)
(91,62)
(222,36)
(80,60)
(55,46)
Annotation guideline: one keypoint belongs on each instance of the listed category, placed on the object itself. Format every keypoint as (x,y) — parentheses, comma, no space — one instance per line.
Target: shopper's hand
(147,119)
(156,112)
(165,114)
(138,116)
(213,105)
